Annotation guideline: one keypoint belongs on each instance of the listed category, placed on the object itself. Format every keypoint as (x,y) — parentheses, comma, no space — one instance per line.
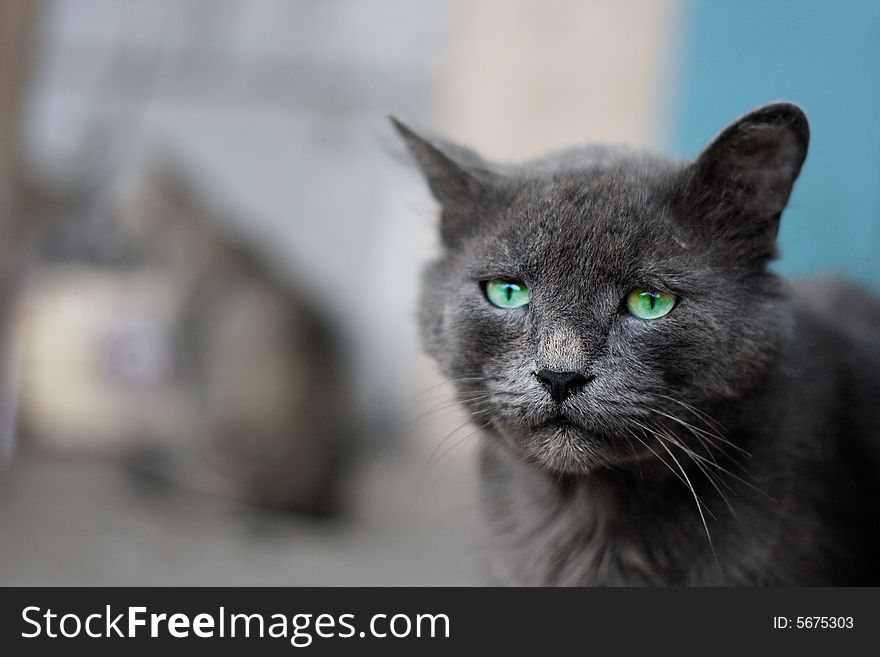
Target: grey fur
(752,396)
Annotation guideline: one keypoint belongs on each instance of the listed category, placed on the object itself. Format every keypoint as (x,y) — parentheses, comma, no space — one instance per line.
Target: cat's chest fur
(600,531)
(548,532)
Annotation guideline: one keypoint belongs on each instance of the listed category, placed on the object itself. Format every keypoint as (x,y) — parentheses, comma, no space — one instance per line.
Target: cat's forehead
(594,220)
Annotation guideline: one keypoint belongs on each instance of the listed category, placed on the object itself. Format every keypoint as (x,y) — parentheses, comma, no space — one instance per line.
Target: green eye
(649,304)
(507,294)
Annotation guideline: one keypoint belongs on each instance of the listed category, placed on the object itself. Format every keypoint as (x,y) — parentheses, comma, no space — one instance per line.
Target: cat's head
(585,300)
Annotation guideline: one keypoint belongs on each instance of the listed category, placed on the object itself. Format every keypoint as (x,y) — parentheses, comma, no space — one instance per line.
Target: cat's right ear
(746,174)
(458,178)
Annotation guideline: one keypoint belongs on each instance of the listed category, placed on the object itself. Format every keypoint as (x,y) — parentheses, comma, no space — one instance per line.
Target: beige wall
(525,76)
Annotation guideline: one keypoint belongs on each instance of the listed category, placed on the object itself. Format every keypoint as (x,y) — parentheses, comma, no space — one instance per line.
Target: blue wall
(824,56)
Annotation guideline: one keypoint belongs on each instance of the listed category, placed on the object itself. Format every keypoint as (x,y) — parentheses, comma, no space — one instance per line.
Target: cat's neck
(614,525)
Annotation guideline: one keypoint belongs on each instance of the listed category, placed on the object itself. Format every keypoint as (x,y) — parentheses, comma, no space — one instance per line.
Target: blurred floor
(80,522)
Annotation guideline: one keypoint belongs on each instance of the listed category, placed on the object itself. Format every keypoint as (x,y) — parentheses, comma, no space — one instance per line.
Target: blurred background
(210,243)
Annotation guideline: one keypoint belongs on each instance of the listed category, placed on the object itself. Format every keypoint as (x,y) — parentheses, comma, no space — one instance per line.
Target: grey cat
(657,407)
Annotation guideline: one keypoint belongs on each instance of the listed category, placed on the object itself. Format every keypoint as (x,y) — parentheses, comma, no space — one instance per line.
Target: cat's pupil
(509,290)
(652,296)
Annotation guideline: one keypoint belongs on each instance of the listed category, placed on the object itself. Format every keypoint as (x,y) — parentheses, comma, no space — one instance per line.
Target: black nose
(561,384)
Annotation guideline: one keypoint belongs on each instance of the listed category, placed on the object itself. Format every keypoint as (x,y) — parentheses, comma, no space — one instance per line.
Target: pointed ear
(755,160)
(458,178)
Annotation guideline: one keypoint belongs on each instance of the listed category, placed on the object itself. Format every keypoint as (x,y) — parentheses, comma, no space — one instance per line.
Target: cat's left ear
(751,166)
(462,181)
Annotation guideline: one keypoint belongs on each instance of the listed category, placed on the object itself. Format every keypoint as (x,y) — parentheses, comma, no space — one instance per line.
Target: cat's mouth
(557,421)
(559,443)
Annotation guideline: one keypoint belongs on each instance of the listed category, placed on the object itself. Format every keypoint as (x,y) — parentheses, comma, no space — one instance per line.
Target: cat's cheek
(433,333)
(493,333)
